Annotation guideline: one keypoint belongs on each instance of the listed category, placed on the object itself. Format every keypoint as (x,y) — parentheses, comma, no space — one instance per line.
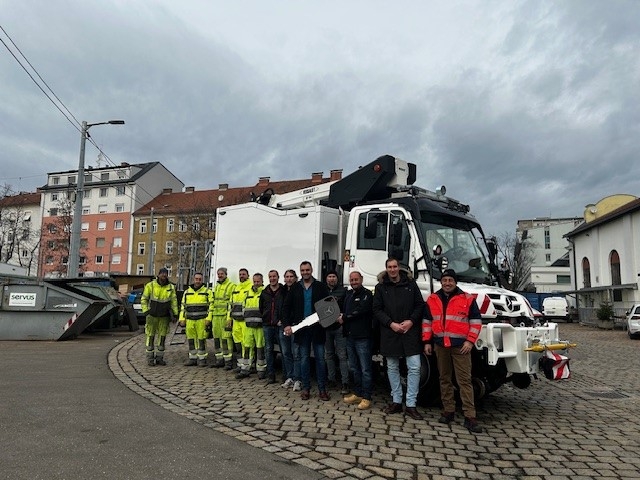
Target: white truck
(357,222)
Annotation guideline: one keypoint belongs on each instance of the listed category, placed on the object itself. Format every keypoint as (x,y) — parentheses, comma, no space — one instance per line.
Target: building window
(54,197)
(116,259)
(83,260)
(547,239)
(49,260)
(182,227)
(563,279)
(55,180)
(169,269)
(141,248)
(104,176)
(155,225)
(120,190)
(153,247)
(53,212)
(616,278)
(84,243)
(65,260)
(168,248)
(84,227)
(195,224)
(99,259)
(140,269)
(142,228)
(25,253)
(86,193)
(586,272)
(88,177)
(86,210)
(104,191)
(52,228)
(51,244)
(71,179)
(547,257)
(27,216)
(119,207)
(102,209)
(212,223)
(100,242)
(117,242)
(118,225)
(102,225)
(170,224)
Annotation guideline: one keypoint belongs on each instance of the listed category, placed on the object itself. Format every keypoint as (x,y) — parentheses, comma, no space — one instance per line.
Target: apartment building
(110,195)
(179,227)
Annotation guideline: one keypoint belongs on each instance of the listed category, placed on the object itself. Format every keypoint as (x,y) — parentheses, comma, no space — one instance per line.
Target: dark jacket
(396,302)
(294,310)
(272,305)
(338,293)
(358,313)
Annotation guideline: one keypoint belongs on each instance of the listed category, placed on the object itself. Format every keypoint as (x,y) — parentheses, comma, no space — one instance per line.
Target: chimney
(316,177)
(263,181)
(189,189)
(166,191)
(124,164)
(335,175)
(223,186)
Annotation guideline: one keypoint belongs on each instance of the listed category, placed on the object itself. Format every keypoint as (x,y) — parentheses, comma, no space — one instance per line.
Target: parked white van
(555,307)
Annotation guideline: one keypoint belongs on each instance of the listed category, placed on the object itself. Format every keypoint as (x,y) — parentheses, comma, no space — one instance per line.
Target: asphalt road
(64,415)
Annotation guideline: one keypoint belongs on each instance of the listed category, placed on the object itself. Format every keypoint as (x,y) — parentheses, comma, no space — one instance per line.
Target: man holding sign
(299,304)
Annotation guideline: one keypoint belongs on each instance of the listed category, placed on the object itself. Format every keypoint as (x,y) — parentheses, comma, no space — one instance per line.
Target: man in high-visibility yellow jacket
(158,302)
(222,341)
(253,339)
(235,320)
(196,314)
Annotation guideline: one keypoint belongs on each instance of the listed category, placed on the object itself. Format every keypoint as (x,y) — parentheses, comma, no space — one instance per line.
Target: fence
(588,316)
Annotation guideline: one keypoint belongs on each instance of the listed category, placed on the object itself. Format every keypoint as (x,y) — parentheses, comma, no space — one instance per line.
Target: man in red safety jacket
(451,327)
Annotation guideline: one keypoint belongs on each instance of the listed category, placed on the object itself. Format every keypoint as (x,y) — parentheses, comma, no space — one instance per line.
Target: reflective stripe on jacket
(197,304)
(238,296)
(221,297)
(251,312)
(159,300)
(459,323)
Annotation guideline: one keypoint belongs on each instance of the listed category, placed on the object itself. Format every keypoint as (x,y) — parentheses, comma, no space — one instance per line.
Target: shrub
(604,311)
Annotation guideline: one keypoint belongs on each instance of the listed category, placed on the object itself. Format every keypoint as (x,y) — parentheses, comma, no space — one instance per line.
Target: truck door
(380,235)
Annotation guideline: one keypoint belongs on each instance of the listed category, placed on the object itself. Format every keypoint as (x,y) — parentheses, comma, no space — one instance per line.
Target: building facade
(20,220)
(110,196)
(179,227)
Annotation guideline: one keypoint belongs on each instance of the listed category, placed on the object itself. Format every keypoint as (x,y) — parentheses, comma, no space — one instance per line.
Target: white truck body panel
(261,238)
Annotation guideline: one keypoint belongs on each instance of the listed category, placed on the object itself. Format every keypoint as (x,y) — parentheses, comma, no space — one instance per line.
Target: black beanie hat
(450,272)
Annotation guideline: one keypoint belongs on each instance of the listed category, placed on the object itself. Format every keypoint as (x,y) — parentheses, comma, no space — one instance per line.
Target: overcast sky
(521,108)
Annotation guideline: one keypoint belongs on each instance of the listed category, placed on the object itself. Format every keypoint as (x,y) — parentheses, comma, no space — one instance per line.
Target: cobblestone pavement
(582,428)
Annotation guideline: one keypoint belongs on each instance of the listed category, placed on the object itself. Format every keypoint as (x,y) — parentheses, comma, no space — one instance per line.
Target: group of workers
(251,318)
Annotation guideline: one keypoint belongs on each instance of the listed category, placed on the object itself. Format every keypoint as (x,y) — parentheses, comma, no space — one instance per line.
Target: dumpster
(42,310)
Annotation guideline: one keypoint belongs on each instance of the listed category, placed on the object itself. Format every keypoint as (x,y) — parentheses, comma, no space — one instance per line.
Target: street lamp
(76,224)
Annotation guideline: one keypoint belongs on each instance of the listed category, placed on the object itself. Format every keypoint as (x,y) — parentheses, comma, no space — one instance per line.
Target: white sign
(22,299)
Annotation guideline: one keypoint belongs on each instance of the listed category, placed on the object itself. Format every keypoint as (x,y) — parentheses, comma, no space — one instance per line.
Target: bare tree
(56,238)
(18,239)
(515,258)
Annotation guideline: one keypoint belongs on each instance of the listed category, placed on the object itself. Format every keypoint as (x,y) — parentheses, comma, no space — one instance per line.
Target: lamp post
(76,224)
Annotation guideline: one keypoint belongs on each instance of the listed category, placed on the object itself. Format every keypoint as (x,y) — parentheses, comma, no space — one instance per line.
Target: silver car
(633,321)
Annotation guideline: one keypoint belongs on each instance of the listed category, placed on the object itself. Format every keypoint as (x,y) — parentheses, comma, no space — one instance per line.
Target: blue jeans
(270,340)
(359,354)
(413,379)
(336,344)
(304,347)
(286,349)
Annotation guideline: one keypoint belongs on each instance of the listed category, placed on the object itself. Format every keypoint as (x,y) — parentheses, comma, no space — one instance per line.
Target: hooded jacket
(395,303)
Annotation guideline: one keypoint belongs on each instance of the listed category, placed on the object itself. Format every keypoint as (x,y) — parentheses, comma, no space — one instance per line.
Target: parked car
(556,308)
(134,301)
(633,321)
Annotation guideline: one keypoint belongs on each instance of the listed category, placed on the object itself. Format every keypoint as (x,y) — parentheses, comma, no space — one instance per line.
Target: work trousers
(451,361)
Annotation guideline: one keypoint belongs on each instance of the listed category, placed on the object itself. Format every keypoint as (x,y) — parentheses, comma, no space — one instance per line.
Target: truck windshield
(458,242)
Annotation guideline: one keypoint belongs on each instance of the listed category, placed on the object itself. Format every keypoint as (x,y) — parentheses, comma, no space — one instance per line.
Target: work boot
(364,404)
(262,375)
(271,379)
(151,361)
(202,362)
(471,424)
(191,362)
(352,399)
(160,361)
(228,365)
(242,374)
(219,363)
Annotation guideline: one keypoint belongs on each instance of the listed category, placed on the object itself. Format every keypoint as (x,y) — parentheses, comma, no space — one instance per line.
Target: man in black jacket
(357,328)
(398,307)
(336,343)
(271,308)
(299,304)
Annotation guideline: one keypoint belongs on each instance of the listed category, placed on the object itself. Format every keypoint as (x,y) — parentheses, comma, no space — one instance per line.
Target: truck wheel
(429,393)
